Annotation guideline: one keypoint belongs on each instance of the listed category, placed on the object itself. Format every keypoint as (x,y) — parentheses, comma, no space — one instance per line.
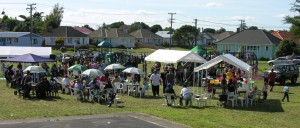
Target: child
(265,89)
(286,93)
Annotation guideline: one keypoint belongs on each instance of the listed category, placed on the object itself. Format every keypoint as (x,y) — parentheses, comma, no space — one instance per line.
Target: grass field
(267,114)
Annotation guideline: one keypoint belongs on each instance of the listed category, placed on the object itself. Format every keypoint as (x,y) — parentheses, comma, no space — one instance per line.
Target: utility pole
(30,11)
(196,33)
(171,32)
(242,26)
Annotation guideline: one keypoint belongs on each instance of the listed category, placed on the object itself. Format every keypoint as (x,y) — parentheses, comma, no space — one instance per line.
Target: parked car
(284,72)
(280,60)
(296,60)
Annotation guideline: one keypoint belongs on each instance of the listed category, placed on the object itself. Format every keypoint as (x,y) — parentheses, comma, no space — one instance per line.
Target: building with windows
(260,42)
(71,37)
(19,39)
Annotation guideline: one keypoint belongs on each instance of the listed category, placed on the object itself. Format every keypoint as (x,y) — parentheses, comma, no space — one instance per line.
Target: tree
(285,47)
(294,20)
(55,17)
(59,42)
(169,29)
(209,30)
(155,28)
(88,27)
(252,28)
(185,35)
(221,30)
(136,26)
(9,23)
(116,24)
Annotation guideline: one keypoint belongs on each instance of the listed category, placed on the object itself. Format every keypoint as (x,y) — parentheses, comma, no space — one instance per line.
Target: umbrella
(93,73)
(114,66)
(34,69)
(77,67)
(133,70)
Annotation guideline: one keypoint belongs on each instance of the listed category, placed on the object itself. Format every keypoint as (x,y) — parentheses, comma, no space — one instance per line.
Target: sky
(265,14)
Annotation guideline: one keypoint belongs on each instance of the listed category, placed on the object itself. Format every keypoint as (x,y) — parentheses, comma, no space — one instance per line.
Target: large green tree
(9,23)
(285,47)
(209,30)
(185,35)
(155,28)
(136,26)
(221,30)
(55,17)
(169,29)
(116,24)
(294,20)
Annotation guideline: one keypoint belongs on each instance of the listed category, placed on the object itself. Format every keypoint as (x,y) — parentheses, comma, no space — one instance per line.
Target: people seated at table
(116,79)
(170,90)
(95,84)
(78,85)
(42,88)
(27,84)
(184,95)
(230,87)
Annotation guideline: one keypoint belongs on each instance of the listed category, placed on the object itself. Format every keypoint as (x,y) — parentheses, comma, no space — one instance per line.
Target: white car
(280,60)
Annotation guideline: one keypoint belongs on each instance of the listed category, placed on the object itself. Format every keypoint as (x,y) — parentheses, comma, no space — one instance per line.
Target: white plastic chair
(253,98)
(131,90)
(118,87)
(243,99)
(232,98)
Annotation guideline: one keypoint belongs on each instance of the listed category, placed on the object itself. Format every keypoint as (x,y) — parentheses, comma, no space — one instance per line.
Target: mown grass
(271,113)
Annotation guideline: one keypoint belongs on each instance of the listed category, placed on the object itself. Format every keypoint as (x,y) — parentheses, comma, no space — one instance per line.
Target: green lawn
(266,114)
(271,113)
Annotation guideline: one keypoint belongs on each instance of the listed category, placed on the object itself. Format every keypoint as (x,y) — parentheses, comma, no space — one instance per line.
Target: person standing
(271,78)
(265,89)
(155,82)
(163,78)
(286,94)
(170,78)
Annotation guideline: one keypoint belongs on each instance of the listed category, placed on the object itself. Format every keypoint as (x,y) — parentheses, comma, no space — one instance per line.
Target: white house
(165,35)
(147,37)
(19,39)
(70,36)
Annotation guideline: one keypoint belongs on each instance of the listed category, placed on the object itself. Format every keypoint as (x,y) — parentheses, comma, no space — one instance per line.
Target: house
(124,27)
(117,37)
(205,39)
(223,35)
(262,43)
(147,37)
(83,30)
(19,39)
(285,35)
(71,36)
(165,35)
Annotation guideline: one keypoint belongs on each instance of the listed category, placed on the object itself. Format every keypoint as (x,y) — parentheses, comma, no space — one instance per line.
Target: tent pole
(194,77)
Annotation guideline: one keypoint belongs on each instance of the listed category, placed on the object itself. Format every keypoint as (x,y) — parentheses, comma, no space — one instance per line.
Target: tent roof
(104,44)
(174,56)
(227,58)
(14,51)
(197,49)
(29,58)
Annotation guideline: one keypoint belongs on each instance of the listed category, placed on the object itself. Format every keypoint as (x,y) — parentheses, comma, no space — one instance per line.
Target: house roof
(124,26)
(223,35)
(163,34)
(253,37)
(98,33)
(283,35)
(83,30)
(144,33)
(112,32)
(64,31)
(115,32)
(16,34)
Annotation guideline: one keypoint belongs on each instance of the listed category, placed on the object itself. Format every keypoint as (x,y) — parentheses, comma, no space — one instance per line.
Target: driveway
(123,120)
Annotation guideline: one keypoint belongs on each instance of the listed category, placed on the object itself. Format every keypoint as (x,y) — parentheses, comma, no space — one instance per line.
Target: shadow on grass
(271,105)
(151,97)
(51,98)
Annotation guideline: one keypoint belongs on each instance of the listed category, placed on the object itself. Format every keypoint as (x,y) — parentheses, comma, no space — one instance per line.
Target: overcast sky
(267,14)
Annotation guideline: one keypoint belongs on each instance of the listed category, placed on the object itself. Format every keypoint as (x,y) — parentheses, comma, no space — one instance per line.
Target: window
(70,41)
(9,40)
(76,40)
(34,40)
(267,48)
(16,40)
(2,40)
(52,41)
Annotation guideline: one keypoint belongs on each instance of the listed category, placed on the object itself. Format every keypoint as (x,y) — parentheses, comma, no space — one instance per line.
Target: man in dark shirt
(170,77)
(170,90)
(271,78)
